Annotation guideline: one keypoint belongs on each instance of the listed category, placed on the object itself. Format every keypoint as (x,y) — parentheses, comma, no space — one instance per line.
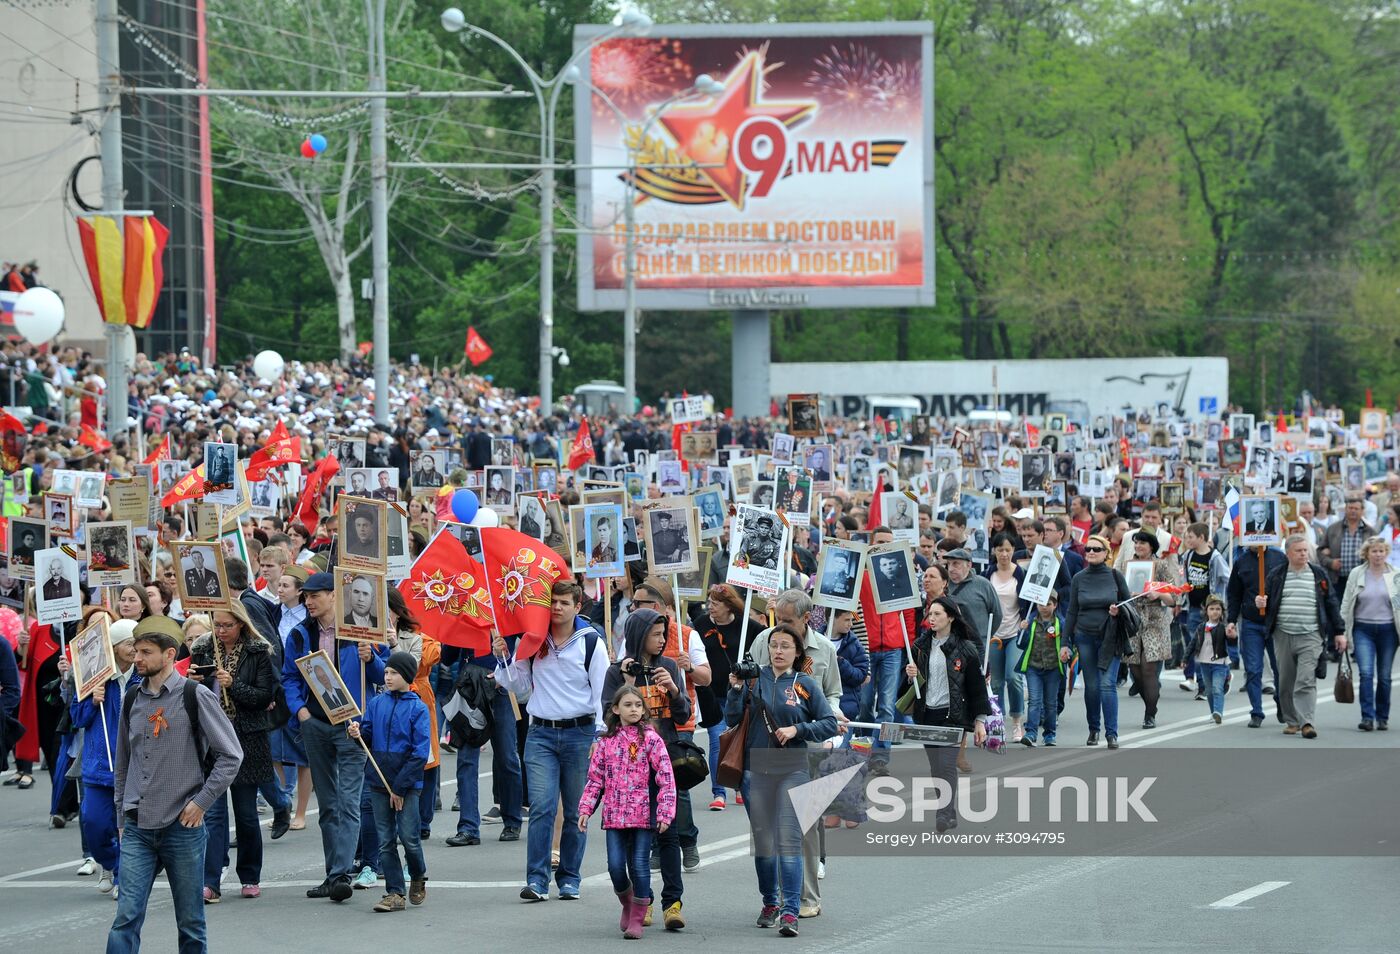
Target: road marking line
(1248,894)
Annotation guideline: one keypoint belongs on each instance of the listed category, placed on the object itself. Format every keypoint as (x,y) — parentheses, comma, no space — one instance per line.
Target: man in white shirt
(564,683)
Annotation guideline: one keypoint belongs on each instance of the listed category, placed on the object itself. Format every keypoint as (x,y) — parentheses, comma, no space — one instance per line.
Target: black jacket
(1329,616)
(967,689)
(254,683)
(1244,583)
(1217,642)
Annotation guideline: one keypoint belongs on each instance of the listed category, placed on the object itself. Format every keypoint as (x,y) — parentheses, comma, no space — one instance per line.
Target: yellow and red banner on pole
(123,257)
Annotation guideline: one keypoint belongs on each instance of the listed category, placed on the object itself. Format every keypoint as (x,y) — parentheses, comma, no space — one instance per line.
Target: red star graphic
(705,131)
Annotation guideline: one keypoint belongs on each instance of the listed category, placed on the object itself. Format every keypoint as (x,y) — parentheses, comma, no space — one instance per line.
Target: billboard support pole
(751,345)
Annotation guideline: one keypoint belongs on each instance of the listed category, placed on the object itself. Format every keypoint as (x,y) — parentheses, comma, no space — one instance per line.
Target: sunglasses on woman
(1095,550)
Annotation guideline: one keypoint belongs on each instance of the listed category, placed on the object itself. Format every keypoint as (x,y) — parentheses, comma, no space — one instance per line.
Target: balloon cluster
(313,145)
(467,509)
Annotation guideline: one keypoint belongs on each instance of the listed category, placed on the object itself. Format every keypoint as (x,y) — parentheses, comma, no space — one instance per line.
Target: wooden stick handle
(370,755)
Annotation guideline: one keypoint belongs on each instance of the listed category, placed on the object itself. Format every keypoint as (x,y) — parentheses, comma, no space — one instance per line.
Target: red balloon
(306,149)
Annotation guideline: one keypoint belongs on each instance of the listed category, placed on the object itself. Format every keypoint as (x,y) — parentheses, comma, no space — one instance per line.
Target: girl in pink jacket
(630,773)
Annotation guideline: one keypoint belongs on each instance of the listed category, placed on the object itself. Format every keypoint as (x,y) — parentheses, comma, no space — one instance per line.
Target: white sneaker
(821,870)
(367,878)
(88,867)
(115,889)
(104,884)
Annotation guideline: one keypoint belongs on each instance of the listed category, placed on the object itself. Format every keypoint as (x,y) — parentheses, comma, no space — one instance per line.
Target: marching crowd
(635,701)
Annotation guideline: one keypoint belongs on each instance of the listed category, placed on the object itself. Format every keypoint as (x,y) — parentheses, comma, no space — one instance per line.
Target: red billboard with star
(788,165)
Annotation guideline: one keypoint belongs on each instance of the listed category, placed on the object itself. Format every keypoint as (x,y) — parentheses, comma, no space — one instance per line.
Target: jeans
(777,837)
(1006,681)
(427,802)
(1100,685)
(1254,641)
(715,731)
(337,773)
(877,696)
(556,761)
(505,772)
(1212,677)
(178,850)
(1043,690)
(629,861)
(1191,619)
(367,847)
(97,819)
(403,824)
(277,794)
(1375,654)
(245,821)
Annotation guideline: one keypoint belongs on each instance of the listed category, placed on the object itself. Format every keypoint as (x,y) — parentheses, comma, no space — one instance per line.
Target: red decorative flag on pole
(188,487)
(280,449)
(13,441)
(162,451)
(582,451)
(90,438)
(447,591)
(308,510)
(520,574)
(476,350)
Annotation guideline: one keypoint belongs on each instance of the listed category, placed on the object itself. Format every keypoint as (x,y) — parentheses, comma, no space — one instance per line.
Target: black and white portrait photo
(221,474)
(110,554)
(499,493)
(759,540)
(360,605)
(671,531)
(56,587)
(1036,473)
(804,415)
(27,536)
(1300,476)
(892,572)
(90,489)
(838,574)
(531,516)
(427,469)
(362,533)
(710,503)
(1259,525)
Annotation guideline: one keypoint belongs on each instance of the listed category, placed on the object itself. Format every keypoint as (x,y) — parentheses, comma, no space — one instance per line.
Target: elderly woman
(236,662)
(1371,612)
(1152,643)
(1094,596)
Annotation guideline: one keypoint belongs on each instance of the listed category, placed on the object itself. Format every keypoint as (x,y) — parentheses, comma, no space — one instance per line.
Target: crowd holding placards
(341,606)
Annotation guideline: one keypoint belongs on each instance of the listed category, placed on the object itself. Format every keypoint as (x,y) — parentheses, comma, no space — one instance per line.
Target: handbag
(732,742)
(688,764)
(1344,690)
(905,703)
(279,714)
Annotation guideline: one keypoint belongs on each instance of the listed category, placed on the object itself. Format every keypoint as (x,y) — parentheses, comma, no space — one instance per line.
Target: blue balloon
(318,143)
(464,505)
(210,395)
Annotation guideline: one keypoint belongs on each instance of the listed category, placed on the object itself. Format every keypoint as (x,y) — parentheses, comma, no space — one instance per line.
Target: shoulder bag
(732,742)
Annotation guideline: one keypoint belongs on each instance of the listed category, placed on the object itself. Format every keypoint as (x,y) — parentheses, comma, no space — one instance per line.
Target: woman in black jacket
(236,663)
(1093,598)
(955,696)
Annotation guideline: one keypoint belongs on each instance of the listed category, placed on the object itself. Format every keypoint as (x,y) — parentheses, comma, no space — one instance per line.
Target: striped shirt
(1297,608)
(158,768)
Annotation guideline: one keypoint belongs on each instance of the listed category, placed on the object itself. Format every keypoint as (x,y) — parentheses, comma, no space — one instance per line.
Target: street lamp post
(546,92)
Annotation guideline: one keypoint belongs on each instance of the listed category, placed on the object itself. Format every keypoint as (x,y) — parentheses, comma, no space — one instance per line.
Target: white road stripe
(1239,897)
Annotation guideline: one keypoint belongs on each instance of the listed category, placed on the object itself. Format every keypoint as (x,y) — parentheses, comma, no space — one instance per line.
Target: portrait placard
(670,477)
(839,570)
(499,493)
(1259,522)
(698,446)
(804,413)
(710,503)
(891,568)
(61,514)
(111,554)
(1041,571)
(93,660)
(329,689)
(757,554)
(602,528)
(691,585)
(427,470)
(221,474)
(672,531)
(687,410)
(349,452)
(400,559)
(130,498)
(90,487)
(27,536)
(530,518)
(741,478)
(782,448)
(1372,423)
(1173,497)
(64,482)
(793,489)
(199,574)
(57,596)
(361,605)
(363,532)
(900,512)
(1138,574)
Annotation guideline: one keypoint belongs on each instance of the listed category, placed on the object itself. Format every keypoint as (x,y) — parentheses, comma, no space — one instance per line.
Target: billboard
(807,182)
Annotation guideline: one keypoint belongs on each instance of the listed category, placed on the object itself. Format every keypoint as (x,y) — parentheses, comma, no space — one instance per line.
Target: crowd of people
(604,719)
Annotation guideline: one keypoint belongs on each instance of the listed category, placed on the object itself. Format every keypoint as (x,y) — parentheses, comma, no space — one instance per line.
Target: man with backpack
(480,712)
(176,754)
(564,682)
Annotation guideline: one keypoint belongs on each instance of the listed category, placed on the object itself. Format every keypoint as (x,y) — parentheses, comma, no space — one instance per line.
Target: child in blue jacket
(397,730)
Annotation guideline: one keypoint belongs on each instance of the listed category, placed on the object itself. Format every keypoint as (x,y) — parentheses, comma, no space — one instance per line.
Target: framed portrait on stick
(1259,522)
(111,554)
(756,559)
(672,534)
(329,689)
(361,606)
(61,514)
(838,574)
(57,597)
(892,572)
(93,660)
(363,533)
(804,415)
(27,537)
(690,585)
(199,574)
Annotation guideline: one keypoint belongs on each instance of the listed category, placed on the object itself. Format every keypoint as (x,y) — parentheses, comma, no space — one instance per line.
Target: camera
(631,667)
(747,668)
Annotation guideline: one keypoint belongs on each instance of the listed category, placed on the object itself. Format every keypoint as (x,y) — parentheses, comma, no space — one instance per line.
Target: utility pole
(113,195)
(379,208)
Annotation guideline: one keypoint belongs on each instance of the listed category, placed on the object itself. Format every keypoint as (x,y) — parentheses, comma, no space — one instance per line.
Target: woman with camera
(643,664)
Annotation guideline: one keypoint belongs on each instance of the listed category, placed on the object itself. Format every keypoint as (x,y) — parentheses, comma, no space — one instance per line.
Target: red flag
(281,448)
(1280,425)
(1368,398)
(90,438)
(41,428)
(1032,435)
(162,452)
(8,422)
(476,350)
(446,589)
(308,510)
(188,487)
(520,574)
(875,517)
(582,451)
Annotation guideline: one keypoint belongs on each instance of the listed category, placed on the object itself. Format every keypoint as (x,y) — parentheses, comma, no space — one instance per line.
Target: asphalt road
(1205,902)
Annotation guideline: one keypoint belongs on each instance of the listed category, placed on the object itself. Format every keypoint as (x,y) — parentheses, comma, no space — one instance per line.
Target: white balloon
(486,517)
(39,315)
(268,365)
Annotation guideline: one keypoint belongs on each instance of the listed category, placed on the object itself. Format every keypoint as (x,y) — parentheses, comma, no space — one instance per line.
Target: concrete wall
(47,58)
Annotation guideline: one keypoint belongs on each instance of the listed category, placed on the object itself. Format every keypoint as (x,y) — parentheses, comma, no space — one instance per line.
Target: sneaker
(1308,731)
(821,870)
(211,896)
(418,890)
(789,928)
(1049,741)
(1200,697)
(1255,721)
(509,834)
(690,857)
(367,878)
(390,902)
(672,915)
(768,917)
(322,890)
(717,805)
(568,892)
(1216,717)
(88,867)
(340,889)
(462,839)
(1187,686)
(738,798)
(493,816)
(104,884)
(1028,741)
(251,891)
(532,893)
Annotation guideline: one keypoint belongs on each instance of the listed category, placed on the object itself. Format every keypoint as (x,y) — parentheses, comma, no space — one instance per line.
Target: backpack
(470,713)
(191,701)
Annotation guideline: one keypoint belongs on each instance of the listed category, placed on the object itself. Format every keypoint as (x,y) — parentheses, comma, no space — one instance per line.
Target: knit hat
(404,664)
(121,631)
